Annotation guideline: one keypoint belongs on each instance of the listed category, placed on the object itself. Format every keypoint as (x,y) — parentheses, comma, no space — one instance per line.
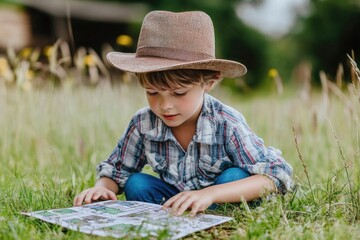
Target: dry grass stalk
(338,93)
(58,55)
(355,73)
(303,78)
(330,87)
(303,163)
(100,64)
(325,90)
(314,121)
(54,65)
(339,76)
(352,193)
(355,69)
(279,84)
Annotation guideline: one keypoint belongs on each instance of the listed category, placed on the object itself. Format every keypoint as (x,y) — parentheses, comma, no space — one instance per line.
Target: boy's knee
(146,188)
(136,186)
(135,180)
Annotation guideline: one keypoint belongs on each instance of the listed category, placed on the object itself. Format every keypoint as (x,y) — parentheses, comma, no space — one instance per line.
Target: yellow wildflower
(48,51)
(4,66)
(89,60)
(273,73)
(124,40)
(5,70)
(25,53)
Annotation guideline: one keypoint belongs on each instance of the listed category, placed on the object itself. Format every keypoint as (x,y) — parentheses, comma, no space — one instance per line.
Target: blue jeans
(146,188)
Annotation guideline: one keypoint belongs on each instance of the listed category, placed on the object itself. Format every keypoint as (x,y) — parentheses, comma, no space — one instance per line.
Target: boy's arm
(246,189)
(107,183)
(104,189)
(127,157)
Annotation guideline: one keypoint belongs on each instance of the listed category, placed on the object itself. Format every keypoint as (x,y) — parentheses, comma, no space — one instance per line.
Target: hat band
(172,53)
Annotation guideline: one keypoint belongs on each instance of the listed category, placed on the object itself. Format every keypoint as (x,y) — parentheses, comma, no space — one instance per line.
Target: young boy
(203,150)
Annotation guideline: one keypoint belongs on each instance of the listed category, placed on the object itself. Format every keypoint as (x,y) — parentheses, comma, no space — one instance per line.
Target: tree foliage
(328,33)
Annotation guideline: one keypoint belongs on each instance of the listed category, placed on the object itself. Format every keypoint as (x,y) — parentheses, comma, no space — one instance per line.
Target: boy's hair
(170,79)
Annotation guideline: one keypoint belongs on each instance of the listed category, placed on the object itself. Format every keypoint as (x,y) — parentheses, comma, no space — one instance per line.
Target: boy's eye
(180,93)
(151,93)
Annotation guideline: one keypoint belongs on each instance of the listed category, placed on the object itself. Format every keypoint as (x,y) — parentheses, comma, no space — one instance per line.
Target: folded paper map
(121,219)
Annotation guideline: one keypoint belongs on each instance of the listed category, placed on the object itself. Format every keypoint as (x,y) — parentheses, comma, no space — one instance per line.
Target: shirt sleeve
(127,158)
(249,152)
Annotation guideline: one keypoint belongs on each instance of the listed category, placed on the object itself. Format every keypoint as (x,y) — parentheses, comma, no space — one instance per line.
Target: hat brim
(129,63)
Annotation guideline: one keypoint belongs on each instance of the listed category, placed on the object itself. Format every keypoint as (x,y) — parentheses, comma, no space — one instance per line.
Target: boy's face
(177,106)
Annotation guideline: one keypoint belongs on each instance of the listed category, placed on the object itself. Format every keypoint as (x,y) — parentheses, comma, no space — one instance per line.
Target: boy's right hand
(94,194)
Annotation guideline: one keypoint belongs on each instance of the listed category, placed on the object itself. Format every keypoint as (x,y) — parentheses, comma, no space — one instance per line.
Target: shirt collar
(159,131)
(205,127)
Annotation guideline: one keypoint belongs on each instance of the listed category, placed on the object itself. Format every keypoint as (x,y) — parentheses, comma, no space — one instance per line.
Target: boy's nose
(166,104)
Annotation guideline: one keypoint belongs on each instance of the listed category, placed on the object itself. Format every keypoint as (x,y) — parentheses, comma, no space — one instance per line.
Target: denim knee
(136,187)
(231,174)
(146,188)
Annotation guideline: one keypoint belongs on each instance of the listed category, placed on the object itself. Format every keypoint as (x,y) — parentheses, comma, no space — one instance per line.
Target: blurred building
(15,30)
(86,23)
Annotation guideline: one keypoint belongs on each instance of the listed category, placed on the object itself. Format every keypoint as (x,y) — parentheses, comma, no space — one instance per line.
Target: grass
(52,139)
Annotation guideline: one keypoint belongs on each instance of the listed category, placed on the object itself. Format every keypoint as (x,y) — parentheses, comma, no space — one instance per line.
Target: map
(122,219)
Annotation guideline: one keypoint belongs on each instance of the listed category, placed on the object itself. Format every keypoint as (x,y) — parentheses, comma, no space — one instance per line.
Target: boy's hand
(93,194)
(197,200)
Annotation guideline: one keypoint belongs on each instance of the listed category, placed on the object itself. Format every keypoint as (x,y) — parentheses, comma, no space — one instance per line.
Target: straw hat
(169,40)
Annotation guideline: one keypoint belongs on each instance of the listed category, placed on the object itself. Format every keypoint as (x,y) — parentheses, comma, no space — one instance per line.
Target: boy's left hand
(197,200)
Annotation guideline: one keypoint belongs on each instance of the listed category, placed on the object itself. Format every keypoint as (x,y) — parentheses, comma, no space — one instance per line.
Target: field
(52,139)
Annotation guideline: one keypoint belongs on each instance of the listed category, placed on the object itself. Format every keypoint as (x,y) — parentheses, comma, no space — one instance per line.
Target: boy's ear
(209,85)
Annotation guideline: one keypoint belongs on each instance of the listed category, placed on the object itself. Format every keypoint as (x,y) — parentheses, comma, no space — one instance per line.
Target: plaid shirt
(222,140)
